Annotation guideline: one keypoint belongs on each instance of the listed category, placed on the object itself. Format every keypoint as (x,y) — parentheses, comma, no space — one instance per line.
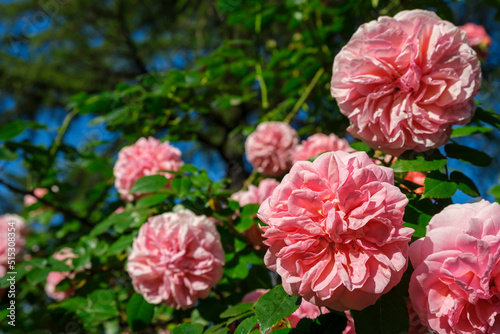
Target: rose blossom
(269,148)
(335,231)
(39,192)
(55,277)
(403,82)
(457,269)
(319,143)
(255,195)
(478,38)
(146,157)
(176,259)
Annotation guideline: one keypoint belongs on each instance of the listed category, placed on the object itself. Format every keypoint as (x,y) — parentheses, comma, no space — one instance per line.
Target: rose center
(410,81)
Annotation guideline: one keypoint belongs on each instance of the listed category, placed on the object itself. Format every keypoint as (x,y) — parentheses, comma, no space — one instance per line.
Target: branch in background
(55,206)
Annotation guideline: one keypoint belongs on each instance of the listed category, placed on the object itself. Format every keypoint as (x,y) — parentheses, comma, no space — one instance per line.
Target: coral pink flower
(55,277)
(176,259)
(403,82)
(319,143)
(335,232)
(269,148)
(13,233)
(455,285)
(417,178)
(255,195)
(478,37)
(305,310)
(145,157)
(39,192)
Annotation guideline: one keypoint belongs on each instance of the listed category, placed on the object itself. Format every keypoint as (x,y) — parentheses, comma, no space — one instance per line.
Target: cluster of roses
(334,227)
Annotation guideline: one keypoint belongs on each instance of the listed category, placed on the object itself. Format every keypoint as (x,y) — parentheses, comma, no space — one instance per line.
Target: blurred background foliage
(81,79)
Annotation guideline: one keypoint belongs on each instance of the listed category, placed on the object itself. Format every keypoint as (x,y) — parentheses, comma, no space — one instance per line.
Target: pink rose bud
(55,277)
(319,143)
(403,82)
(454,287)
(269,148)
(335,231)
(176,259)
(478,37)
(145,157)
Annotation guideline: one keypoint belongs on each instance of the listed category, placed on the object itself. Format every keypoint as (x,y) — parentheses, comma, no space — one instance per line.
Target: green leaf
(273,306)
(6,154)
(188,168)
(468,154)
(139,312)
(411,161)
(59,266)
(121,244)
(237,271)
(465,184)
(419,230)
(188,329)
(237,310)
(437,185)
(149,184)
(489,117)
(181,185)
(360,146)
(12,129)
(469,130)
(151,200)
(71,304)
(63,285)
(250,210)
(246,325)
(37,275)
(387,316)
(495,191)
(110,221)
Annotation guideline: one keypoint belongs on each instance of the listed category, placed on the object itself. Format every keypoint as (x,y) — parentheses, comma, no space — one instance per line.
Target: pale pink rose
(417,178)
(269,148)
(176,259)
(403,82)
(13,232)
(55,277)
(457,269)
(255,195)
(319,143)
(305,310)
(146,157)
(39,192)
(478,38)
(335,232)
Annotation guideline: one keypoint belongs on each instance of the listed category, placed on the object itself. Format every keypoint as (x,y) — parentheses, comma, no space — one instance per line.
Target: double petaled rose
(176,259)
(146,157)
(455,285)
(403,82)
(335,232)
(269,148)
(319,143)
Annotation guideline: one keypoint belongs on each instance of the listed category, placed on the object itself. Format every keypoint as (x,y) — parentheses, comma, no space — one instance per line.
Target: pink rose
(335,232)
(176,259)
(255,195)
(319,143)
(11,223)
(478,38)
(305,310)
(55,277)
(269,148)
(39,192)
(349,329)
(417,178)
(403,82)
(145,157)
(457,269)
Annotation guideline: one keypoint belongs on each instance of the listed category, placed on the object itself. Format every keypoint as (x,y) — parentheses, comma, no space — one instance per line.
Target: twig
(304,95)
